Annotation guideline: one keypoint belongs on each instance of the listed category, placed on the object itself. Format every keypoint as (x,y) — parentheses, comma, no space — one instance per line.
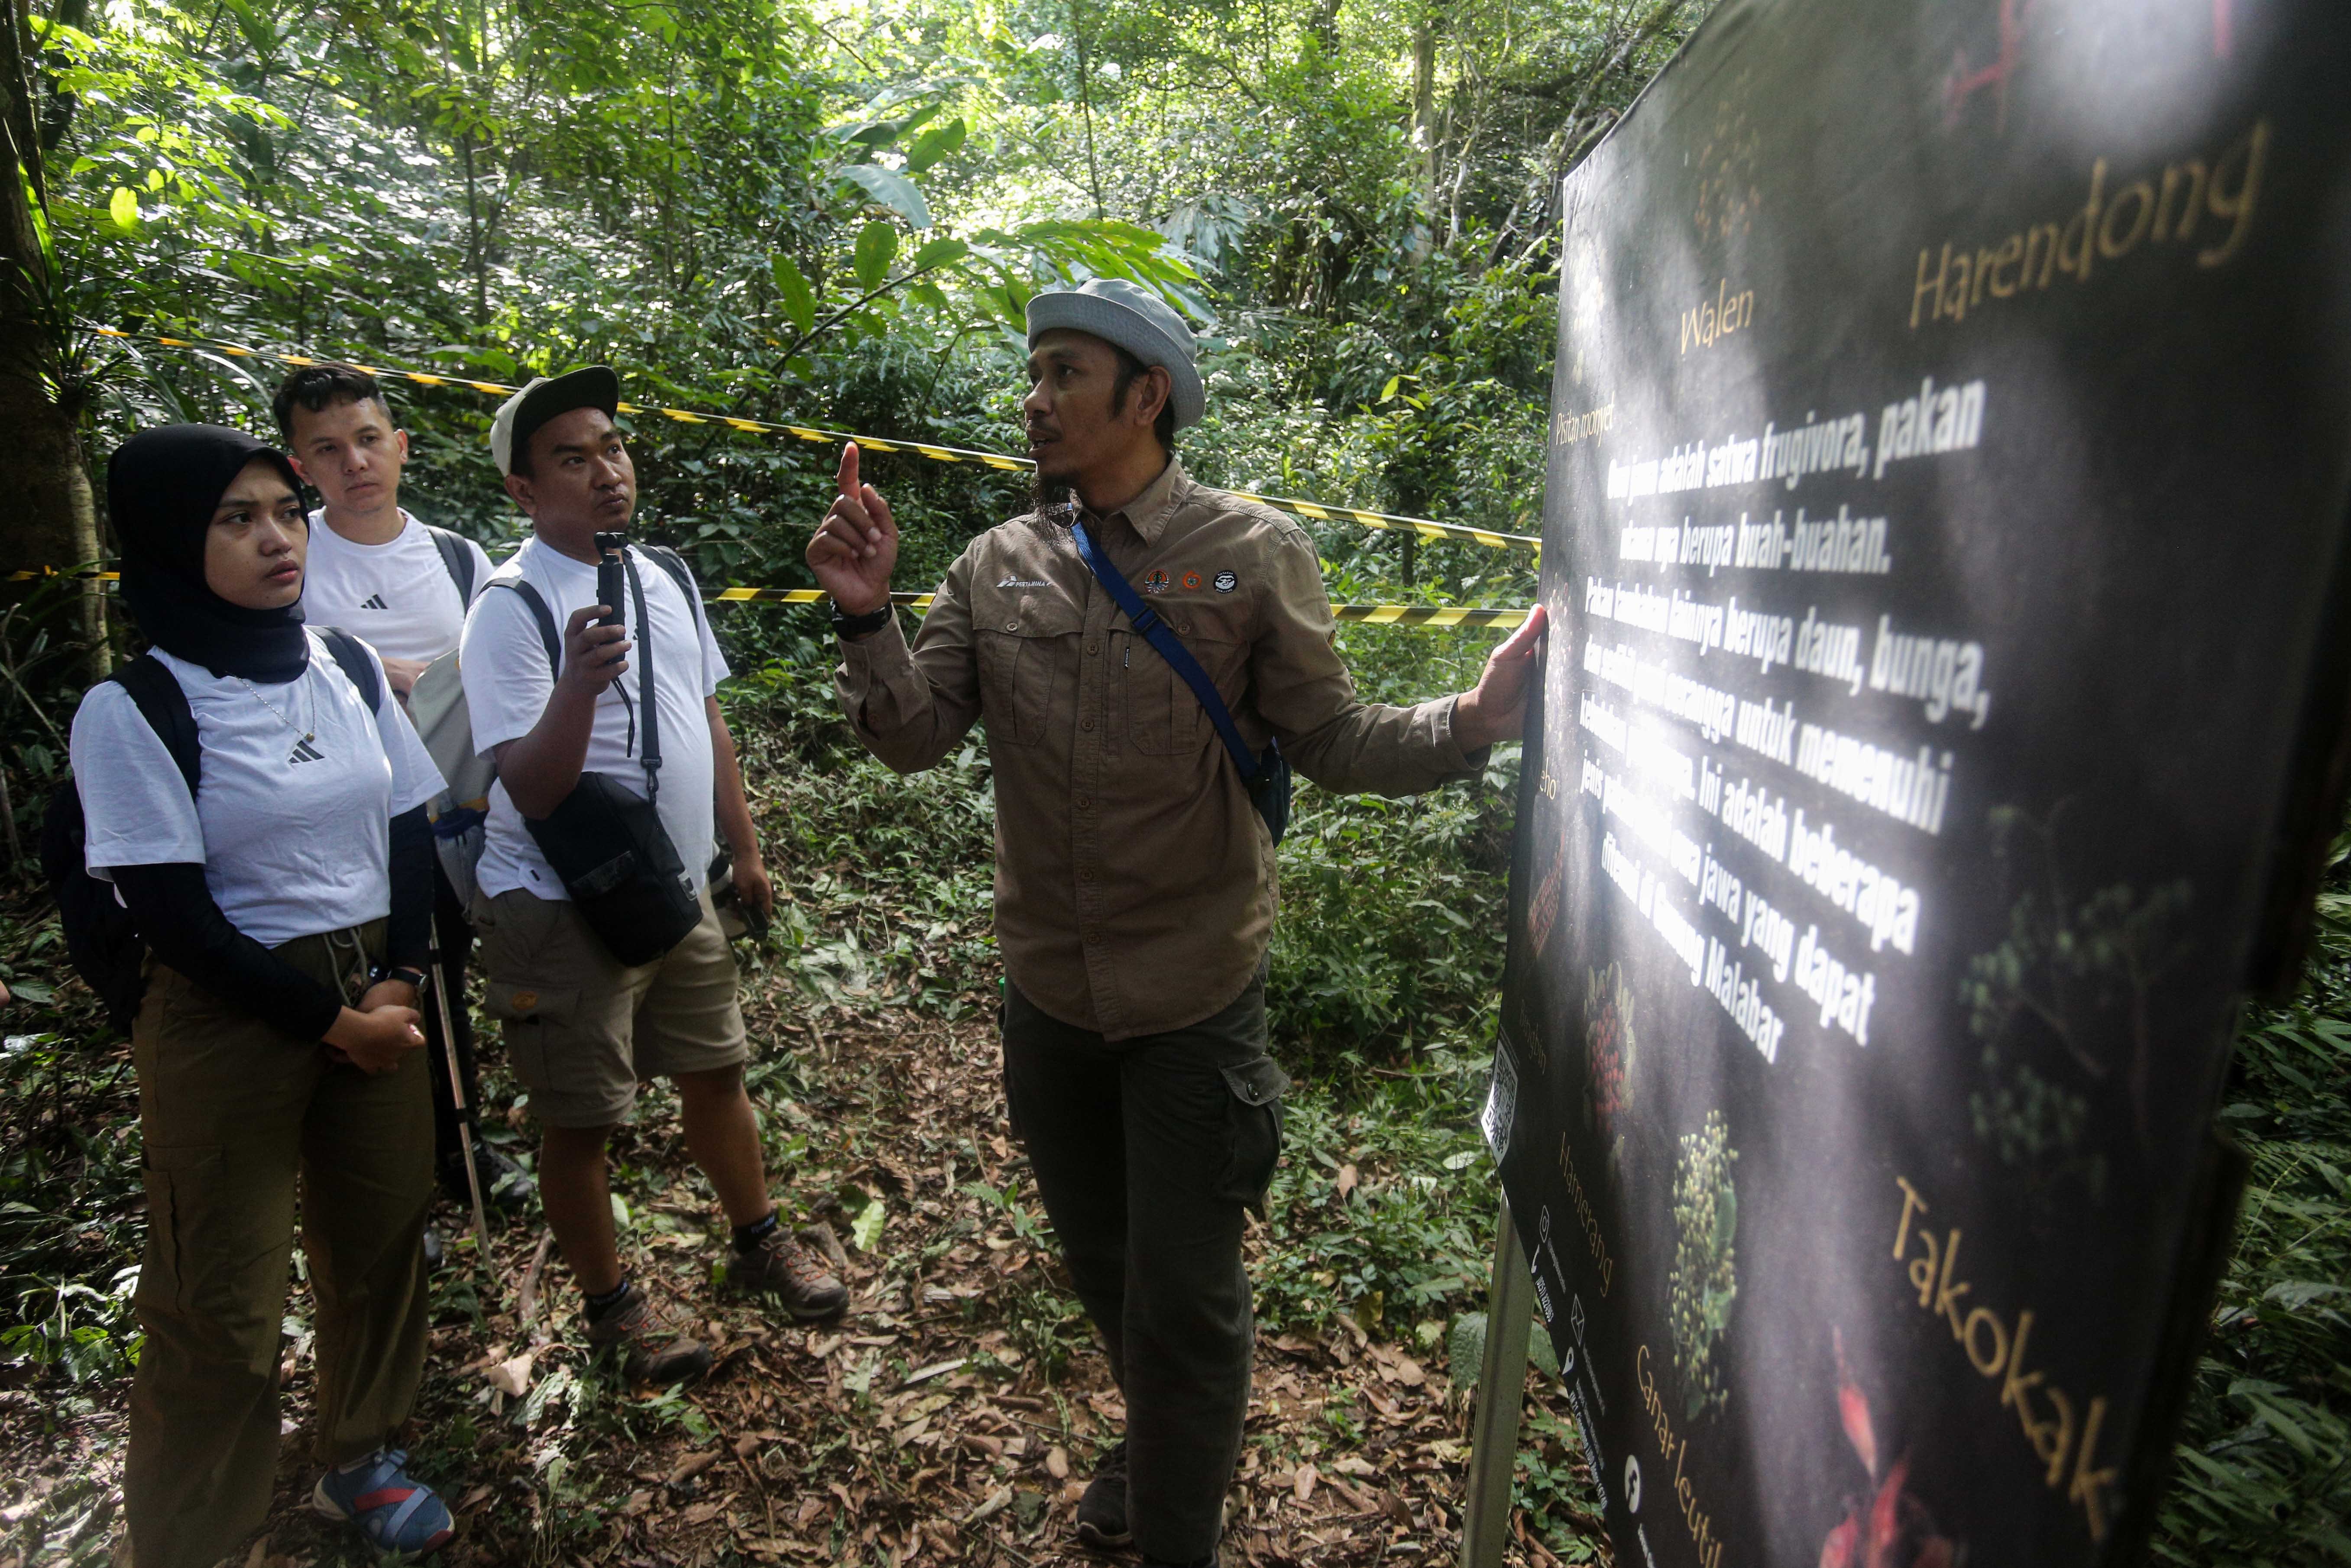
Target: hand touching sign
(856,546)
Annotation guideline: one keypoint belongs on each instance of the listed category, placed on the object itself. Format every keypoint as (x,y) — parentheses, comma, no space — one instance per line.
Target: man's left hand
(752,885)
(1497,709)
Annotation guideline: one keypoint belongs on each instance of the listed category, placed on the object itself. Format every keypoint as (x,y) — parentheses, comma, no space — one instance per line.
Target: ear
(1151,395)
(400,439)
(520,489)
(301,470)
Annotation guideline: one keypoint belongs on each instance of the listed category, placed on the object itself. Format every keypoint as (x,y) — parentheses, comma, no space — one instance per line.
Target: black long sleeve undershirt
(185,928)
(408,934)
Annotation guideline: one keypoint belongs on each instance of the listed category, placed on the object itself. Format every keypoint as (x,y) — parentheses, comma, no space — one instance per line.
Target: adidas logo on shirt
(303,752)
(374,602)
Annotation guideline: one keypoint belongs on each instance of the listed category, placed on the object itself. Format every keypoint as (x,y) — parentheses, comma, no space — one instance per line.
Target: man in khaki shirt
(1134,877)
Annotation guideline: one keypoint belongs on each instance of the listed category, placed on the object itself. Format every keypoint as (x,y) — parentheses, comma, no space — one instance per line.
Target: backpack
(101,939)
(436,705)
(456,560)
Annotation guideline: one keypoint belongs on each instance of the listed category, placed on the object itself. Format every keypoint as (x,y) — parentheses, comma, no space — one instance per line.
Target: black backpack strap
(670,561)
(456,558)
(548,635)
(157,694)
(359,666)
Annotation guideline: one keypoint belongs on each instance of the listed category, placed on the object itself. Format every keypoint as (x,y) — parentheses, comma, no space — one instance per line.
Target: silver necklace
(309,732)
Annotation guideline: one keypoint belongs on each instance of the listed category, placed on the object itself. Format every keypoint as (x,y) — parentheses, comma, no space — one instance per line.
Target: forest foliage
(834,210)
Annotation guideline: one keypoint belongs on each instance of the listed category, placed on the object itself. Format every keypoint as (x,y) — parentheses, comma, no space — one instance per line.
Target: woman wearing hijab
(286,904)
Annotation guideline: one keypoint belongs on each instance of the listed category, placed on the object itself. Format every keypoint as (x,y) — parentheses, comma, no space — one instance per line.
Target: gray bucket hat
(1137,320)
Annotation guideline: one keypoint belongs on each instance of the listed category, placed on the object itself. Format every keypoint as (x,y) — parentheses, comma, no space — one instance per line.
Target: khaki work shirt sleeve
(1302,688)
(910,705)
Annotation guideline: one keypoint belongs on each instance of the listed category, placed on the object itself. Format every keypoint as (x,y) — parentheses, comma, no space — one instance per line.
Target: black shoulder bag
(606,842)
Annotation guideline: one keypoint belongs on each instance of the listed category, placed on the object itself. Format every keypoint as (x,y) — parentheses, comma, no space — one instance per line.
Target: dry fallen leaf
(1346,1182)
(1301,1485)
(511,1377)
(1057,1464)
(690,1467)
(1354,1465)
(994,1503)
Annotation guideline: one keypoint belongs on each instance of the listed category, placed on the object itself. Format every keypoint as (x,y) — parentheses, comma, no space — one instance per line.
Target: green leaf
(935,144)
(866,1228)
(792,290)
(124,208)
(893,190)
(877,246)
(940,253)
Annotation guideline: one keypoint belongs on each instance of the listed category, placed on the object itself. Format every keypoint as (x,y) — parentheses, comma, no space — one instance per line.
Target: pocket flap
(1258,1082)
(520,1001)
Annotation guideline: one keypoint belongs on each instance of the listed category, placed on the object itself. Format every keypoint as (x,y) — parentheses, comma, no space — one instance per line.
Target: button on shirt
(1134,878)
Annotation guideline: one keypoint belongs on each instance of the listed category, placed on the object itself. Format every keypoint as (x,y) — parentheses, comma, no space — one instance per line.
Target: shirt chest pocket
(1028,665)
(1159,713)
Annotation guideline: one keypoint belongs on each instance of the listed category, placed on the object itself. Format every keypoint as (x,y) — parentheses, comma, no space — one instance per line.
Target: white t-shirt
(292,835)
(397,595)
(507,682)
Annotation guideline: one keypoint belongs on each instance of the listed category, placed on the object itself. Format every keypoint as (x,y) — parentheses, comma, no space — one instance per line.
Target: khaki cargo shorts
(583,1029)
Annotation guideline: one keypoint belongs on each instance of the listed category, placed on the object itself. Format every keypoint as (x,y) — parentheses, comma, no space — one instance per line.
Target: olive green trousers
(237,1116)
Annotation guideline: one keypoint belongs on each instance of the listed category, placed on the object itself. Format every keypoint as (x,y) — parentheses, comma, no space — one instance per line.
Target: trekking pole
(466,1118)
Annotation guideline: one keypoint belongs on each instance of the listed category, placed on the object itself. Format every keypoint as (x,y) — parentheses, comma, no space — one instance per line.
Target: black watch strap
(407,974)
(849,626)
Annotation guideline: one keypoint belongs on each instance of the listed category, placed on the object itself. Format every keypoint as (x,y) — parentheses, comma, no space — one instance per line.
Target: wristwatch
(406,973)
(848,628)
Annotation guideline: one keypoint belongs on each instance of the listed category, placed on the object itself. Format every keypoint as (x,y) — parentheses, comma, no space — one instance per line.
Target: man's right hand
(856,546)
(593,656)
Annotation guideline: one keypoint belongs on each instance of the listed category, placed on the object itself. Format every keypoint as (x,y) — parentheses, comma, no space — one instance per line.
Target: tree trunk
(46,510)
(1424,109)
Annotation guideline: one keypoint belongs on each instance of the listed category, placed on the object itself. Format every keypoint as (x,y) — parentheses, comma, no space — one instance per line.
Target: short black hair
(320,386)
(1130,370)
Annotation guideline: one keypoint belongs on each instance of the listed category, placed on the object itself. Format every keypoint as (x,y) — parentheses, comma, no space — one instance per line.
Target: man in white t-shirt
(551,699)
(379,573)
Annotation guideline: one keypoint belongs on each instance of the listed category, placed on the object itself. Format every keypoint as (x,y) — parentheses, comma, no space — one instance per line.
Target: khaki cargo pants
(235,1115)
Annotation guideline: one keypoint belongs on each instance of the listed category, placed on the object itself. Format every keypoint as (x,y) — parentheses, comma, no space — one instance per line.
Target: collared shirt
(1135,880)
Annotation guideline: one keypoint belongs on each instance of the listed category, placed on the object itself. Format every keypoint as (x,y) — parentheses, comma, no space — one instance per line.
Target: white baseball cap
(519,417)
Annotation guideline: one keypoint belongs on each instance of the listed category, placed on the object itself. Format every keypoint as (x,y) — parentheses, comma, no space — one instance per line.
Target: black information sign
(1951,457)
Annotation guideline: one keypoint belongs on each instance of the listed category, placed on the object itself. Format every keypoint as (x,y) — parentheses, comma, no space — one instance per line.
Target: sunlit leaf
(893,190)
(792,291)
(124,208)
(935,144)
(940,253)
(877,246)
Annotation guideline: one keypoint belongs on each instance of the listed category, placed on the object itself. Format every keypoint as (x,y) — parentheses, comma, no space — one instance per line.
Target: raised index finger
(847,475)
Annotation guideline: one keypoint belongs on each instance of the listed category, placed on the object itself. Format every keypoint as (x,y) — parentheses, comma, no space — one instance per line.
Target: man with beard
(1134,870)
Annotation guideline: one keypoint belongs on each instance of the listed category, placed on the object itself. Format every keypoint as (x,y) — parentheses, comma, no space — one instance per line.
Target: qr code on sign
(1501,1102)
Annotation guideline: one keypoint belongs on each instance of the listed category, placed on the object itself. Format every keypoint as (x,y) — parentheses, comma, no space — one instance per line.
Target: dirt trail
(952,1417)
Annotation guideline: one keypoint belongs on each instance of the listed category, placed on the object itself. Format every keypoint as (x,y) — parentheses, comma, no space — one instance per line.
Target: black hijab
(161,486)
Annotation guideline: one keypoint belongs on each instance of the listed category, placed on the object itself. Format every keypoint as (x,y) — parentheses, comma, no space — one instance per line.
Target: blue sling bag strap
(1267,777)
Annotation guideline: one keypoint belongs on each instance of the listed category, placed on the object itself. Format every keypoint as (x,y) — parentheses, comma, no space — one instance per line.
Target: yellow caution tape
(1372,614)
(1375,615)
(1425,526)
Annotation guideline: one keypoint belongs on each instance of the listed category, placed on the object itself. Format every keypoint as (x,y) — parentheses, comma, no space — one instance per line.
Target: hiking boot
(1102,1511)
(648,1353)
(505,1185)
(798,1277)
